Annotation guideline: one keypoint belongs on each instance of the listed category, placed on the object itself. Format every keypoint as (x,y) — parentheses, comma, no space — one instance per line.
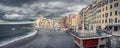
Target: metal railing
(90,34)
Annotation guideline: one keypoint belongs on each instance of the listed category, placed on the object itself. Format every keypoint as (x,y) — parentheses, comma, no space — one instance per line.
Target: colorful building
(108,14)
(42,22)
(39,22)
(64,22)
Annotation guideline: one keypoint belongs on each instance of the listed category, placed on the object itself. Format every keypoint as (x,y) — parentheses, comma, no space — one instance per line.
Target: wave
(17,22)
(3,43)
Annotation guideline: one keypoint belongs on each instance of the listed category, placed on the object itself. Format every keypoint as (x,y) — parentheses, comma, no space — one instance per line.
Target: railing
(90,34)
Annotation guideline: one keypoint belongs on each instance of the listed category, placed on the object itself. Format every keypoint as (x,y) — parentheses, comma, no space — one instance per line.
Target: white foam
(17,38)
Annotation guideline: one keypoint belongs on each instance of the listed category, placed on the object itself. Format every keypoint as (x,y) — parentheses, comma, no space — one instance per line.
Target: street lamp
(112,27)
(89,28)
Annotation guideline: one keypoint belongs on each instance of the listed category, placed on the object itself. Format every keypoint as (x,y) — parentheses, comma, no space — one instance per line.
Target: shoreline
(20,42)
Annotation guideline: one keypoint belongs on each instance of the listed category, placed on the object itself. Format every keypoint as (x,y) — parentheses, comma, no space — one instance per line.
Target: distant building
(39,22)
(64,22)
(68,21)
(74,19)
(56,22)
(42,22)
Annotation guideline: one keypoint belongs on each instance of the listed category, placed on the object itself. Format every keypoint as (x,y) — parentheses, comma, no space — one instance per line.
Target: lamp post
(89,28)
(112,27)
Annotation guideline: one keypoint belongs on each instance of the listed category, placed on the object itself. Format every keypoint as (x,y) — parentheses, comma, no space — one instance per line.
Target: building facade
(91,17)
(42,22)
(64,22)
(108,14)
(83,19)
(39,22)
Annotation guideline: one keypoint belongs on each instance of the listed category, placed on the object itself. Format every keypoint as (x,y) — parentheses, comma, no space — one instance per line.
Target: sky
(31,9)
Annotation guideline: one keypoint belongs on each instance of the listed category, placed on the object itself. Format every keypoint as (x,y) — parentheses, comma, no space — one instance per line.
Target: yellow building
(74,19)
(42,22)
(108,14)
(46,23)
(39,22)
(56,22)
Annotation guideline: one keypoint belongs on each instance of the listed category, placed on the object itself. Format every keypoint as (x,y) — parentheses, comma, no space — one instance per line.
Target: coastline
(21,41)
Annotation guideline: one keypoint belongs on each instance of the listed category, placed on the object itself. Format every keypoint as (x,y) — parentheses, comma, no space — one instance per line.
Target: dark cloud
(56,14)
(28,9)
(17,2)
(21,2)
(1,14)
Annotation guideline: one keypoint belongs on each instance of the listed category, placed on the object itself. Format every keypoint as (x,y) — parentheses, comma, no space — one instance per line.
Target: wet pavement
(49,38)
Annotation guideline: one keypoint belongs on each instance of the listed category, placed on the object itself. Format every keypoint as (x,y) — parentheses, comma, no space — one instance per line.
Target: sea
(11,32)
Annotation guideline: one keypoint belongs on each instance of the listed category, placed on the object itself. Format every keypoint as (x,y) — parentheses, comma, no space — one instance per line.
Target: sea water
(13,32)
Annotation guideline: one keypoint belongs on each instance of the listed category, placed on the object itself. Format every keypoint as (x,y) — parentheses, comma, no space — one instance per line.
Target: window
(99,21)
(115,20)
(116,5)
(103,15)
(102,21)
(106,15)
(115,0)
(106,8)
(110,13)
(99,16)
(110,20)
(111,1)
(99,10)
(110,6)
(102,3)
(106,21)
(106,2)
(119,21)
(115,12)
(91,27)
(103,9)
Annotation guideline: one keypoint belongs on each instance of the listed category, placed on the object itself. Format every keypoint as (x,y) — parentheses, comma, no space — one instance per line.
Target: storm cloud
(30,9)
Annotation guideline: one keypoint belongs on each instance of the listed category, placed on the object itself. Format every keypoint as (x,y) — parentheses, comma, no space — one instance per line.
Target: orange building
(64,22)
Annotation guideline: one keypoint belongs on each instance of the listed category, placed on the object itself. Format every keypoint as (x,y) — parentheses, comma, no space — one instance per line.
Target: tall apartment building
(83,19)
(108,14)
(91,17)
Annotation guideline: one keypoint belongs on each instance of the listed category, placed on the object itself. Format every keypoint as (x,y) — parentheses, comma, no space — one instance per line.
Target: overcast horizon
(29,9)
